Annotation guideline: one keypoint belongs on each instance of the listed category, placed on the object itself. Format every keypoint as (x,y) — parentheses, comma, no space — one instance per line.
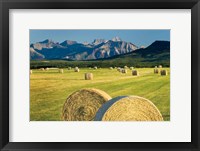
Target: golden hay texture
(128,108)
(88,76)
(163,72)
(135,73)
(31,71)
(156,70)
(123,71)
(83,104)
(60,71)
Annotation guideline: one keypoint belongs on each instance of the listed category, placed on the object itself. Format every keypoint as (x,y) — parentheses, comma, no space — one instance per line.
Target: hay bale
(69,68)
(125,67)
(156,71)
(124,71)
(111,68)
(60,71)
(95,68)
(76,69)
(119,69)
(83,104)
(42,69)
(135,73)
(156,67)
(128,108)
(88,76)
(163,72)
(160,66)
(46,69)
(31,71)
(131,68)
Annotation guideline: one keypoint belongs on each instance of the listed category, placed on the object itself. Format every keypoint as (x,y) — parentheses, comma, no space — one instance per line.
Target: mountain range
(72,50)
(99,49)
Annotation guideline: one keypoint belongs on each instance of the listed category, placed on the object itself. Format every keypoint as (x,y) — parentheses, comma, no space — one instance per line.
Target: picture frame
(5,5)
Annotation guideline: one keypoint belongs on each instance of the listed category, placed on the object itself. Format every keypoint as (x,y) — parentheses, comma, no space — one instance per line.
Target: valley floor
(49,89)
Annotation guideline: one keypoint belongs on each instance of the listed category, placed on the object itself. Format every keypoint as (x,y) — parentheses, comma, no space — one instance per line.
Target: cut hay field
(49,89)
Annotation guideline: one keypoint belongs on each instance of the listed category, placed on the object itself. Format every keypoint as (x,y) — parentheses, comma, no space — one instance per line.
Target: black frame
(5,5)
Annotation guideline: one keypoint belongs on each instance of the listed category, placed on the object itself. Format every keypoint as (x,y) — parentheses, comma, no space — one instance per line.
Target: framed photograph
(85,75)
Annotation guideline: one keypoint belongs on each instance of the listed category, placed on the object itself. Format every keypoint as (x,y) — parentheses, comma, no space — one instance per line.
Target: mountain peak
(47,41)
(116,39)
(98,41)
(68,42)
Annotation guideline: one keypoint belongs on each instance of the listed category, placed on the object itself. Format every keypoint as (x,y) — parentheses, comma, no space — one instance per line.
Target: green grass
(49,89)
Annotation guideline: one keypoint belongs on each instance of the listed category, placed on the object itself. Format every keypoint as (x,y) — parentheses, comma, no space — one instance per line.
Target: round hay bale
(135,73)
(119,69)
(42,69)
(95,68)
(31,71)
(156,70)
(69,68)
(76,69)
(88,76)
(125,67)
(160,66)
(131,68)
(156,67)
(124,71)
(163,72)
(60,71)
(111,68)
(46,69)
(83,104)
(128,108)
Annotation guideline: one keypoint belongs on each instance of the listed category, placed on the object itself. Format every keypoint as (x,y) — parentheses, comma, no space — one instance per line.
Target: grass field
(49,89)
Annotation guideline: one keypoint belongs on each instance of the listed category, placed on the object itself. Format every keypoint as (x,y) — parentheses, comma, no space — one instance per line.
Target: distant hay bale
(160,66)
(46,69)
(76,69)
(60,71)
(135,73)
(163,72)
(111,68)
(88,76)
(156,67)
(124,71)
(69,68)
(83,104)
(95,67)
(128,108)
(156,70)
(42,69)
(125,67)
(119,69)
(31,71)
(115,67)
(131,68)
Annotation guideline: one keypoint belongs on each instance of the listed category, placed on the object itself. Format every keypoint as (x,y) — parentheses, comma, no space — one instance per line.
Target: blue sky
(137,37)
